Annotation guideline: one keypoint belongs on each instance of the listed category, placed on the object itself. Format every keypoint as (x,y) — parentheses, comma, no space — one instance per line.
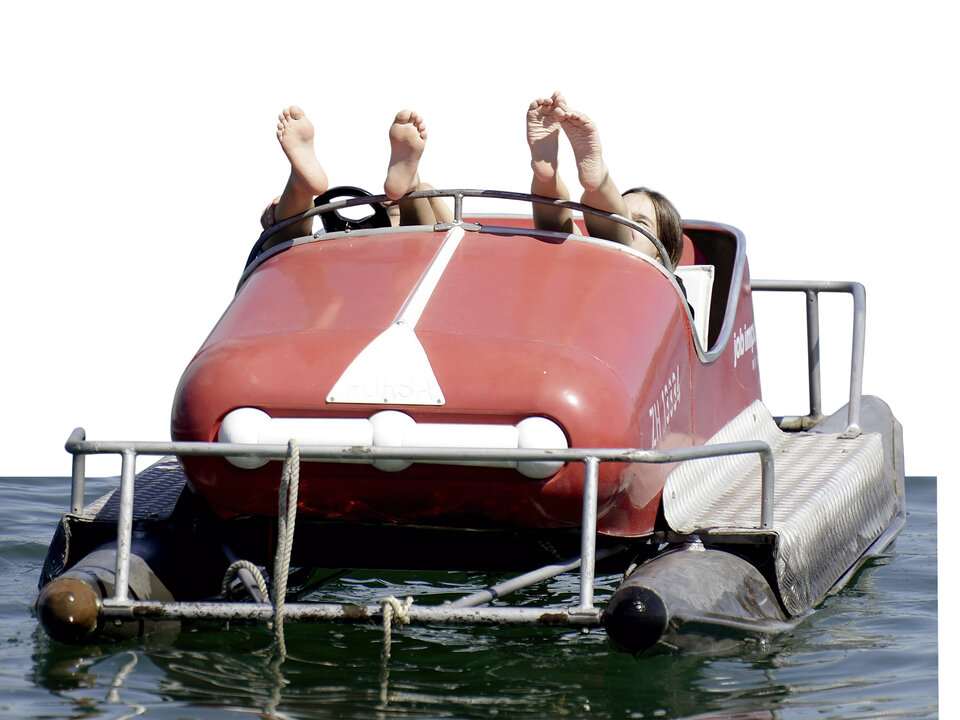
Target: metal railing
(458,195)
(811,289)
(463,611)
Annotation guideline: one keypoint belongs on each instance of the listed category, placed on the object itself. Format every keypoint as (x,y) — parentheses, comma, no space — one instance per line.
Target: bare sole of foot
(295,133)
(408,138)
(585,140)
(543,132)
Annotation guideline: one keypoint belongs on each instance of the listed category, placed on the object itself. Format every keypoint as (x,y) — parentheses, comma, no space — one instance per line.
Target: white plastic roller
(394,429)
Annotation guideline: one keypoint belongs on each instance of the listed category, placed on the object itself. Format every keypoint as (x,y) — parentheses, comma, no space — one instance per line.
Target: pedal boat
(482,395)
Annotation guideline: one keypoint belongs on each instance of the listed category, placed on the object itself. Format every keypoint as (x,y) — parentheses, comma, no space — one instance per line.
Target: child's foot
(585,141)
(543,130)
(295,133)
(408,137)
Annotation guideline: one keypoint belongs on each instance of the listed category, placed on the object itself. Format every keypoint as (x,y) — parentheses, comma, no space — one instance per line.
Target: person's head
(653,210)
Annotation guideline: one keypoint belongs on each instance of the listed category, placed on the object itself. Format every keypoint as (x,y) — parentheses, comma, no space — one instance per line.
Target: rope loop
(235,568)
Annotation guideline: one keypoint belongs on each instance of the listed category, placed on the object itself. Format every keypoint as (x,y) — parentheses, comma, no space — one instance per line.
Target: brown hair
(669,226)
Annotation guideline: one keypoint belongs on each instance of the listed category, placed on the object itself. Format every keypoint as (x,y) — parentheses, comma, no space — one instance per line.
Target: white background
(137,151)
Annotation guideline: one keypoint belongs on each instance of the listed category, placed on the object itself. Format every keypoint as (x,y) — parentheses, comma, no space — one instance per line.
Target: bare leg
(307,178)
(408,138)
(543,131)
(599,190)
(441,211)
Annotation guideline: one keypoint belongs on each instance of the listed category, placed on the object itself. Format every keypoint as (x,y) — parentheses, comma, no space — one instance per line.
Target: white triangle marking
(394,368)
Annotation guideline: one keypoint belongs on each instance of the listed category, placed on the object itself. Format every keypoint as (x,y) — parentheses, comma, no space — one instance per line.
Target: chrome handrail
(812,289)
(584,613)
(458,194)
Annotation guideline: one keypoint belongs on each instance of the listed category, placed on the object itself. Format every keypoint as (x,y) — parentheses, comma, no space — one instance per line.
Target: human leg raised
(408,138)
(599,190)
(543,132)
(307,178)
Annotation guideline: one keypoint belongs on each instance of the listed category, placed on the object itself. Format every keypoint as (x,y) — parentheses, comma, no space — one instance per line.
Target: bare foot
(585,140)
(543,130)
(295,133)
(408,137)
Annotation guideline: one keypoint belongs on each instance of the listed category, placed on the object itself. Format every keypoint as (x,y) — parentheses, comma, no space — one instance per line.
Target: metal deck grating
(156,491)
(832,500)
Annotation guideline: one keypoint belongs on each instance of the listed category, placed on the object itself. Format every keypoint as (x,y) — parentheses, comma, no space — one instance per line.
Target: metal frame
(812,289)
(458,194)
(462,611)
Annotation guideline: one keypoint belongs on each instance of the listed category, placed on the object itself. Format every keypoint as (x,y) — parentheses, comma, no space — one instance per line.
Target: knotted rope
(396,613)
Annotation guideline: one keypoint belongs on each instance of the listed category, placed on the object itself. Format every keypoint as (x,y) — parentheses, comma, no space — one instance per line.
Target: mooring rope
(235,568)
(396,613)
(286,522)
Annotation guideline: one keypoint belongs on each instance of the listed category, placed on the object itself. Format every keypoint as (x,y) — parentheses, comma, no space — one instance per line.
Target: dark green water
(869,652)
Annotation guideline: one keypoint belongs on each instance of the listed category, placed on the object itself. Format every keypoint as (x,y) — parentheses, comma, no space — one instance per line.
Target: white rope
(396,613)
(235,568)
(286,521)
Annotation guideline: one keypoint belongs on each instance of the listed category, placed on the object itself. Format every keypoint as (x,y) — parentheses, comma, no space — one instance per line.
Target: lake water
(869,652)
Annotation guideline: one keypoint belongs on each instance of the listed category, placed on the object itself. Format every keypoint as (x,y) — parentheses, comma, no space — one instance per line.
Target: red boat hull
(585,334)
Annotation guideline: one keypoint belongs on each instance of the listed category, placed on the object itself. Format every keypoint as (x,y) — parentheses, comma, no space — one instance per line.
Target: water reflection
(333,672)
(867,652)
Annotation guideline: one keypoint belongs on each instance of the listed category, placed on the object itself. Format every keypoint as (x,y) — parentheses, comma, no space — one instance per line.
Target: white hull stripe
(413,307)
(394,369)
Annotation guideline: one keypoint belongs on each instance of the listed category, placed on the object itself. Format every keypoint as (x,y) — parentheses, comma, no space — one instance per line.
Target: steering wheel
(333,221)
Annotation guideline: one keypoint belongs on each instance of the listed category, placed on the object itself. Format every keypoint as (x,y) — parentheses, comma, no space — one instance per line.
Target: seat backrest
(692,255)
(698,282)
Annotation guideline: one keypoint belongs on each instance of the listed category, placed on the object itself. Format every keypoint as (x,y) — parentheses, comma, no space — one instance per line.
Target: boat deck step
(834,496)
(156,491)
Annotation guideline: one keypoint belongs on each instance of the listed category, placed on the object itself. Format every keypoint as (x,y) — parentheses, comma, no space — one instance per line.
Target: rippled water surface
(869,652)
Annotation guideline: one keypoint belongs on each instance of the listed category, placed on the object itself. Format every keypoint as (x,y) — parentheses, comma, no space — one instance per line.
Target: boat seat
(698,282)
